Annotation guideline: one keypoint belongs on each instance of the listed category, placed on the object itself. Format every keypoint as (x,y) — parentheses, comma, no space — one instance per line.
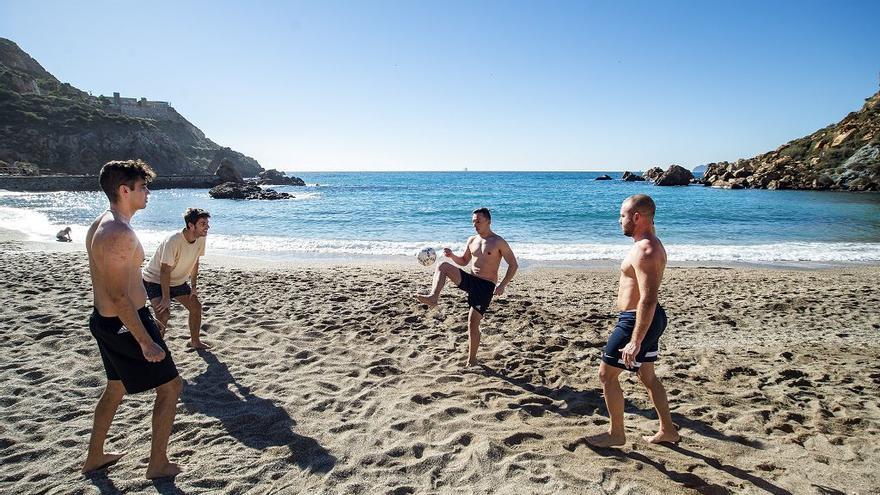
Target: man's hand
(448,252)
(629,352)
(152,352)
(162,327)
(164,305)
(499,289)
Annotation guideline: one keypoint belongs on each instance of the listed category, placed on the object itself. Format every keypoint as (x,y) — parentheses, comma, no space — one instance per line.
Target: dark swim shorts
(479,291)
(122,355)
(154,290)
(623,333)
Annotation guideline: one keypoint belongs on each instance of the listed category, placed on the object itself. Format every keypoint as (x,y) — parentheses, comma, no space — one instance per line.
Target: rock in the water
(675,175)
(228,173)
(653,173)
(631,177)
(603,177)
(235,190)
(274,177)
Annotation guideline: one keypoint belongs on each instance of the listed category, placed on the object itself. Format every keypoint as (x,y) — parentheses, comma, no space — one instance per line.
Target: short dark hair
(643,204)
(192,215)
(485,212)
(118,172)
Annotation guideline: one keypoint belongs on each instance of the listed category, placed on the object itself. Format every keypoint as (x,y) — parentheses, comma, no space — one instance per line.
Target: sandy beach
(331,379)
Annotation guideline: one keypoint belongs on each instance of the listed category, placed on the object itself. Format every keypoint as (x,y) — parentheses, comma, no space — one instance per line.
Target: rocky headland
(842,156)
(59,129)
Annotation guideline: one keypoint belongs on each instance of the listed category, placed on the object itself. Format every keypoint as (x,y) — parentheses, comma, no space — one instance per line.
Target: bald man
(634,344)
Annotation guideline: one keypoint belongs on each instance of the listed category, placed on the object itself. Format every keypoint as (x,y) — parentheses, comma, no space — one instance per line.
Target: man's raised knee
(446,267)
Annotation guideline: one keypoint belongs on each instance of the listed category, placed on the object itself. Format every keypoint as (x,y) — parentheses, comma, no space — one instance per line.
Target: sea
(546,217)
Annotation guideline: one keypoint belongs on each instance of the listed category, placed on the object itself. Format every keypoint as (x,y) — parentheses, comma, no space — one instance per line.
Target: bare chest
(484,248)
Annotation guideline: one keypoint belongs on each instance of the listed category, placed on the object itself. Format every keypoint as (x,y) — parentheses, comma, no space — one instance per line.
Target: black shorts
(479,291)
(122,355)
(154,290)
(623,333)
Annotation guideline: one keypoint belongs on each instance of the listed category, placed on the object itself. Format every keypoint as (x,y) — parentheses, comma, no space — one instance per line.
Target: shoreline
(269,262)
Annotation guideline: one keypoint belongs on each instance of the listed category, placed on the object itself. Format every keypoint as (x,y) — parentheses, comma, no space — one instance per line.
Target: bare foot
(663,437)
(606,440)
(101,462)
(198,345)
(430,301)
(166,470)
(471,362)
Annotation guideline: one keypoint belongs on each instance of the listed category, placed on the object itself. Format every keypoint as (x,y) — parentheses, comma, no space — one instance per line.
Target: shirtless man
(633,344)
(487,249)
(134,355)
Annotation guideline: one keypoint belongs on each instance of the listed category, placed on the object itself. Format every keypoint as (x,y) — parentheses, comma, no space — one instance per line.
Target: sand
(330,379)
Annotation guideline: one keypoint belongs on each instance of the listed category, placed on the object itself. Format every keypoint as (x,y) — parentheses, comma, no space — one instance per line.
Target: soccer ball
(427,256)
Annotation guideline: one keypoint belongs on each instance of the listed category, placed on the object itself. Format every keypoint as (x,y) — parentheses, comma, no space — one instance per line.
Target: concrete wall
(90,182)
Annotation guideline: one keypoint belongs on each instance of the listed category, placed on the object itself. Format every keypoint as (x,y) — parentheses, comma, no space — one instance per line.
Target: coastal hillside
(61,129)
(842,156)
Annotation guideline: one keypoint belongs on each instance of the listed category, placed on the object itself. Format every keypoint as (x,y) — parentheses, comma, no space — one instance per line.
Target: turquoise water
(550,216)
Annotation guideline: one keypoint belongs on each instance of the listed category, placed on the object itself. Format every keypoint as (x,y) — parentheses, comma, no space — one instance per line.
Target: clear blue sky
(506,85)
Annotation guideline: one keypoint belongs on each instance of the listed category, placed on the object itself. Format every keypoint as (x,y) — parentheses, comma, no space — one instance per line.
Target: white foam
(759,253)
(37,227)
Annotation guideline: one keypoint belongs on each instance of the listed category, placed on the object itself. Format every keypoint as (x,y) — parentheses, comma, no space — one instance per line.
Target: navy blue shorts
(623,333)
(122,355)
(154,290)
(479,290)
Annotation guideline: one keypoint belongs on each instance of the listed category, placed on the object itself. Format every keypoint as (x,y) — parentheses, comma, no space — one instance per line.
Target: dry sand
(331,379)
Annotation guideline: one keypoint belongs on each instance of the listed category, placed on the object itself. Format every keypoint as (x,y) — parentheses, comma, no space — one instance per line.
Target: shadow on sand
(691,480)
(253,421)
(588,402)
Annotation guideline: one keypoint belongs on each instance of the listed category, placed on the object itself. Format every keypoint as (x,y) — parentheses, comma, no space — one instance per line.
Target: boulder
(228,173)
(631,177)
(236,190)
(675,175)
(274,177)
(653,173)
(603,177)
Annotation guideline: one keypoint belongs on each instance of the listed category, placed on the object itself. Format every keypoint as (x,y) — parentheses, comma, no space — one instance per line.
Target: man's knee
(115,390)
(170,389)
(195,306)
(647,377)
(446,268)
(608,374)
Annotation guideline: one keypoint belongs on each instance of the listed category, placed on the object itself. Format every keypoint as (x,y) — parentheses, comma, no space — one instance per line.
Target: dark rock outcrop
(276,178)
(631,177)
(653,173)
(842,156)
(227,172)
(603,177)
(675,175)
(247,190)
(63,130)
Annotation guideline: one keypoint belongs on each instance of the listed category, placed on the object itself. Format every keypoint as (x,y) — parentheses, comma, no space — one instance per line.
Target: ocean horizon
(545,216)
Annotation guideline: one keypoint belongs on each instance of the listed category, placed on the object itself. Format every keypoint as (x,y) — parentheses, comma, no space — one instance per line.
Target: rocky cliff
(62,129)
(842,156)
